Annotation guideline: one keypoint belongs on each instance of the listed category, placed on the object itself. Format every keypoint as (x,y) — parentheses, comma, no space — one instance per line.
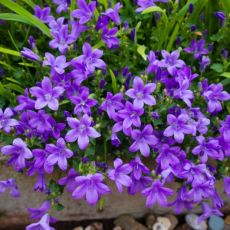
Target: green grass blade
(27,15)
(29,3)
(14,17)
(10,52)
(114,81)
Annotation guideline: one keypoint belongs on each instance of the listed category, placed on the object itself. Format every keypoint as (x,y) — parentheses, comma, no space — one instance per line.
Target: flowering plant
(107,93)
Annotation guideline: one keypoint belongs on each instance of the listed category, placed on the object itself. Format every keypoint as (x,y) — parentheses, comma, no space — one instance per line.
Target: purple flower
(85,12)
(221,16)
(62,5)
(225,129)
(153,62)
(112,103)
(120,174)
(214,94)
(102,22)
(18,152)
(227,185)
(197,48)
(184,93)
(143,139)
(46,95)
(6,122)
(156,194)
(58,154)
(37,213)
(144,4)
(131,116)
(83,103)
(141,93)
(24,102)
(207,149)
(171,61)
(177,127)
(113,14)
(43,14)
(90,59)
(69,180)
(208,211)
(91,187)
(109,37)
(42,224)
(81,131)
(28,53)
(57,64)
(11,185)
(138,168)
(205,61)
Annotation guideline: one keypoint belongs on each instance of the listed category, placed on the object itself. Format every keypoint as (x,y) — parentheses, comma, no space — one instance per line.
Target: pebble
(78,228)
(90,227)
(159,226)
(173,221)
(184,227)
(98,225)
(165,222)
(192,221)
(127,222)
(216,223)
(227,220)
(117,228)
(150,220)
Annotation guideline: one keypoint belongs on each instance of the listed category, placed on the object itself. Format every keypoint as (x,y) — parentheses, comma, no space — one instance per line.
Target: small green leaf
(217,67)
(141,50)
(114,81)
(9,51)
(14,87)
(101,203)
(138,26)
(225,74)
(58,207)
(104,3)
(14,17)
(152,9)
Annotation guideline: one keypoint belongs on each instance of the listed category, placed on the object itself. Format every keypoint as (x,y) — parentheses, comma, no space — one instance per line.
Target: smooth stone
(227,220)
(117,228)
(226,227)
(159,226)
(192,221)
(173,220)
(164,221)
(98,225)
(127,222)
(150,220)
(184,227)
(90,227)
(79,228)
(216,223)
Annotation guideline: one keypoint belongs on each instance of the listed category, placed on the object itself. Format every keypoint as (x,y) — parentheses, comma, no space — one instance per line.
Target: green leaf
(152,9)
(141,50)
(9,51)
(104,3)
(14,17)
(14,87)
(58,207)
(114,81)
(217,67)
(27,15)
(29,3)
(225,74)
(101,203)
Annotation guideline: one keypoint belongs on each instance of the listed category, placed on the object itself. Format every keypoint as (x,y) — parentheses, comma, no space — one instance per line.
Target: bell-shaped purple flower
(142,140)
(157,193)
(18,152)
(227,185)
(62,5)
(141,93)
(37,213)
(85,12)
(81,131)
(11,185)
(120,174)
(43,14)
(29,54)
(197,48)
(58,154)
(47,95)
(177,127)
(113,14)
(109,37)
(6,122)
(42,224)
(91,187)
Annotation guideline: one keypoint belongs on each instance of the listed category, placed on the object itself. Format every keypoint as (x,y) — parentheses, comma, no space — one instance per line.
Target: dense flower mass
(155,116)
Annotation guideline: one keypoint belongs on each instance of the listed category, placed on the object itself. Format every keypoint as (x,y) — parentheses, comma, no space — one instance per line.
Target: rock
(98,225)
(192,221)
(79,228)
(90,227)
(216,223)
(117,228)
(184,227)
(165,222)
(227,220)
(173,221)
(226,227)
(127,222)
(150,220)
(159,226)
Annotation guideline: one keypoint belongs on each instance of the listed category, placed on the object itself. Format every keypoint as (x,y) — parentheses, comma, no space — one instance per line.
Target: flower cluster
(167,113)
